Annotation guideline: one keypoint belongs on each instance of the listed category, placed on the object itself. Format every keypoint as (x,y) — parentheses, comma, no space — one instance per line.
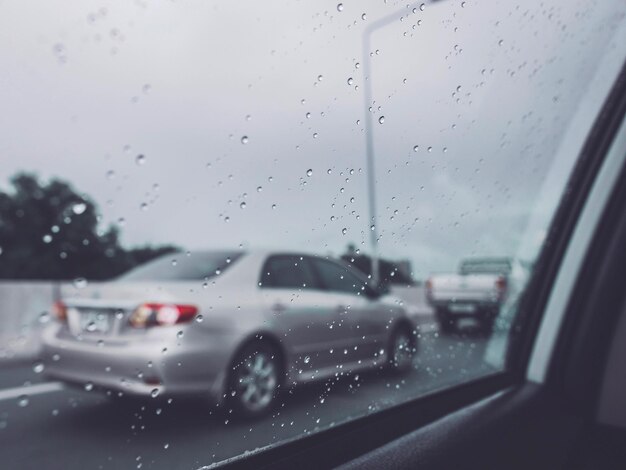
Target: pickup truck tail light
(501,285)
(59,310)
(429,289)
(155,314)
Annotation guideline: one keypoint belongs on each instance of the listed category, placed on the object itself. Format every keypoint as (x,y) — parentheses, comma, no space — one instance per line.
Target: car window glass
(336,278)
(249,151)
(485,266)
(287,272)
(183,266)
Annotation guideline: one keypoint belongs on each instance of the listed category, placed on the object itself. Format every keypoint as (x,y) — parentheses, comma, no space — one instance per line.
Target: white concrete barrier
(25,307)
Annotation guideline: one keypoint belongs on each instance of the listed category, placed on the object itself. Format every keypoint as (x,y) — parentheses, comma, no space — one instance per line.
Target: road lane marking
(30,390)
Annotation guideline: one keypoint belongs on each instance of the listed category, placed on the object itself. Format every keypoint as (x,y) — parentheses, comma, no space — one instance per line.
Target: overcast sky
(86,87)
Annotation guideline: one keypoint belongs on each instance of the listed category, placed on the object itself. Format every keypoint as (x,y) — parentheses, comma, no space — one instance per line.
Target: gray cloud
(87,90)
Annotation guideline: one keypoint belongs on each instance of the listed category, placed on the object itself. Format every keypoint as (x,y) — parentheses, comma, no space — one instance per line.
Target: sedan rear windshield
(183,267)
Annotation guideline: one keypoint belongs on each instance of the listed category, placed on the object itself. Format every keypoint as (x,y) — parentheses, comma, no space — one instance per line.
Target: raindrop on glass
(79,208)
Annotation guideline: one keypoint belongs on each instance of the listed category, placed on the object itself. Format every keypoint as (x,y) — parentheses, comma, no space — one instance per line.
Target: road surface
(45,425)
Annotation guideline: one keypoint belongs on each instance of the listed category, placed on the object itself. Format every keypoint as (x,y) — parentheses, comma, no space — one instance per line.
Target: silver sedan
(234,326)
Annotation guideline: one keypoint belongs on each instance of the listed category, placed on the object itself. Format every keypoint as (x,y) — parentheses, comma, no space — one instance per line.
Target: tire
(446,324)
(486,323)
(401,350)
(254,380)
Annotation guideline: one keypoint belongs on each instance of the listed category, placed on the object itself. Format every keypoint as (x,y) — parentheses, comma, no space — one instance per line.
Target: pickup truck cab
(476,293)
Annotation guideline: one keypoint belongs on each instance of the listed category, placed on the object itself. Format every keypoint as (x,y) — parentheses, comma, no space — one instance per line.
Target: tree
(49,231)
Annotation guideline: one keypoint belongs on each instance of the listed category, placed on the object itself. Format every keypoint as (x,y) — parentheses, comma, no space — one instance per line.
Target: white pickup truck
(476,293)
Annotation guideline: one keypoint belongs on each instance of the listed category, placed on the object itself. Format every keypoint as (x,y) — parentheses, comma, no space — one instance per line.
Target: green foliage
(51,232)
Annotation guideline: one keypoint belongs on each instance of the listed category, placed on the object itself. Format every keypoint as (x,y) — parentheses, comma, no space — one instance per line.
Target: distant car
(232,326)
(481,287)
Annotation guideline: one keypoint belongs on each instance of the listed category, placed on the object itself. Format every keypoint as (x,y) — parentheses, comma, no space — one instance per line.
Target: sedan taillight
(152,314)
(59,310)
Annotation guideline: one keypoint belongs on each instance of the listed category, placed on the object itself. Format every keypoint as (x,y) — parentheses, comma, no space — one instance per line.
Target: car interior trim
(583,233)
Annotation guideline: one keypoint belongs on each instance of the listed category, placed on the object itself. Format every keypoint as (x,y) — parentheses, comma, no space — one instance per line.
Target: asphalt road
(43,425)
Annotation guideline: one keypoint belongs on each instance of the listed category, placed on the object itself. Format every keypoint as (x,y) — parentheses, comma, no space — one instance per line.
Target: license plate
(95,322)
(462,308)
(466,322)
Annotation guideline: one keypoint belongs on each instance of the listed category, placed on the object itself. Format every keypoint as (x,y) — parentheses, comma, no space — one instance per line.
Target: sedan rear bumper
(144,368)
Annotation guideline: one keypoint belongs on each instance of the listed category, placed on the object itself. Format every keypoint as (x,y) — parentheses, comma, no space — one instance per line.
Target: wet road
(43,425)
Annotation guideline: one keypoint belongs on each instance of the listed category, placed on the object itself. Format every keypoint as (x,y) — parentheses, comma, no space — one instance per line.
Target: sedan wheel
(255,380)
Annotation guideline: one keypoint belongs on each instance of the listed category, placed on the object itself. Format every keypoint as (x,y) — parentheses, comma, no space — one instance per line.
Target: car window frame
(543,275)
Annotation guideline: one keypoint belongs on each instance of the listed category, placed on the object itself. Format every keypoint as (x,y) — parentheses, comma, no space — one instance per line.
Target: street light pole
(369,132)
(369,150)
